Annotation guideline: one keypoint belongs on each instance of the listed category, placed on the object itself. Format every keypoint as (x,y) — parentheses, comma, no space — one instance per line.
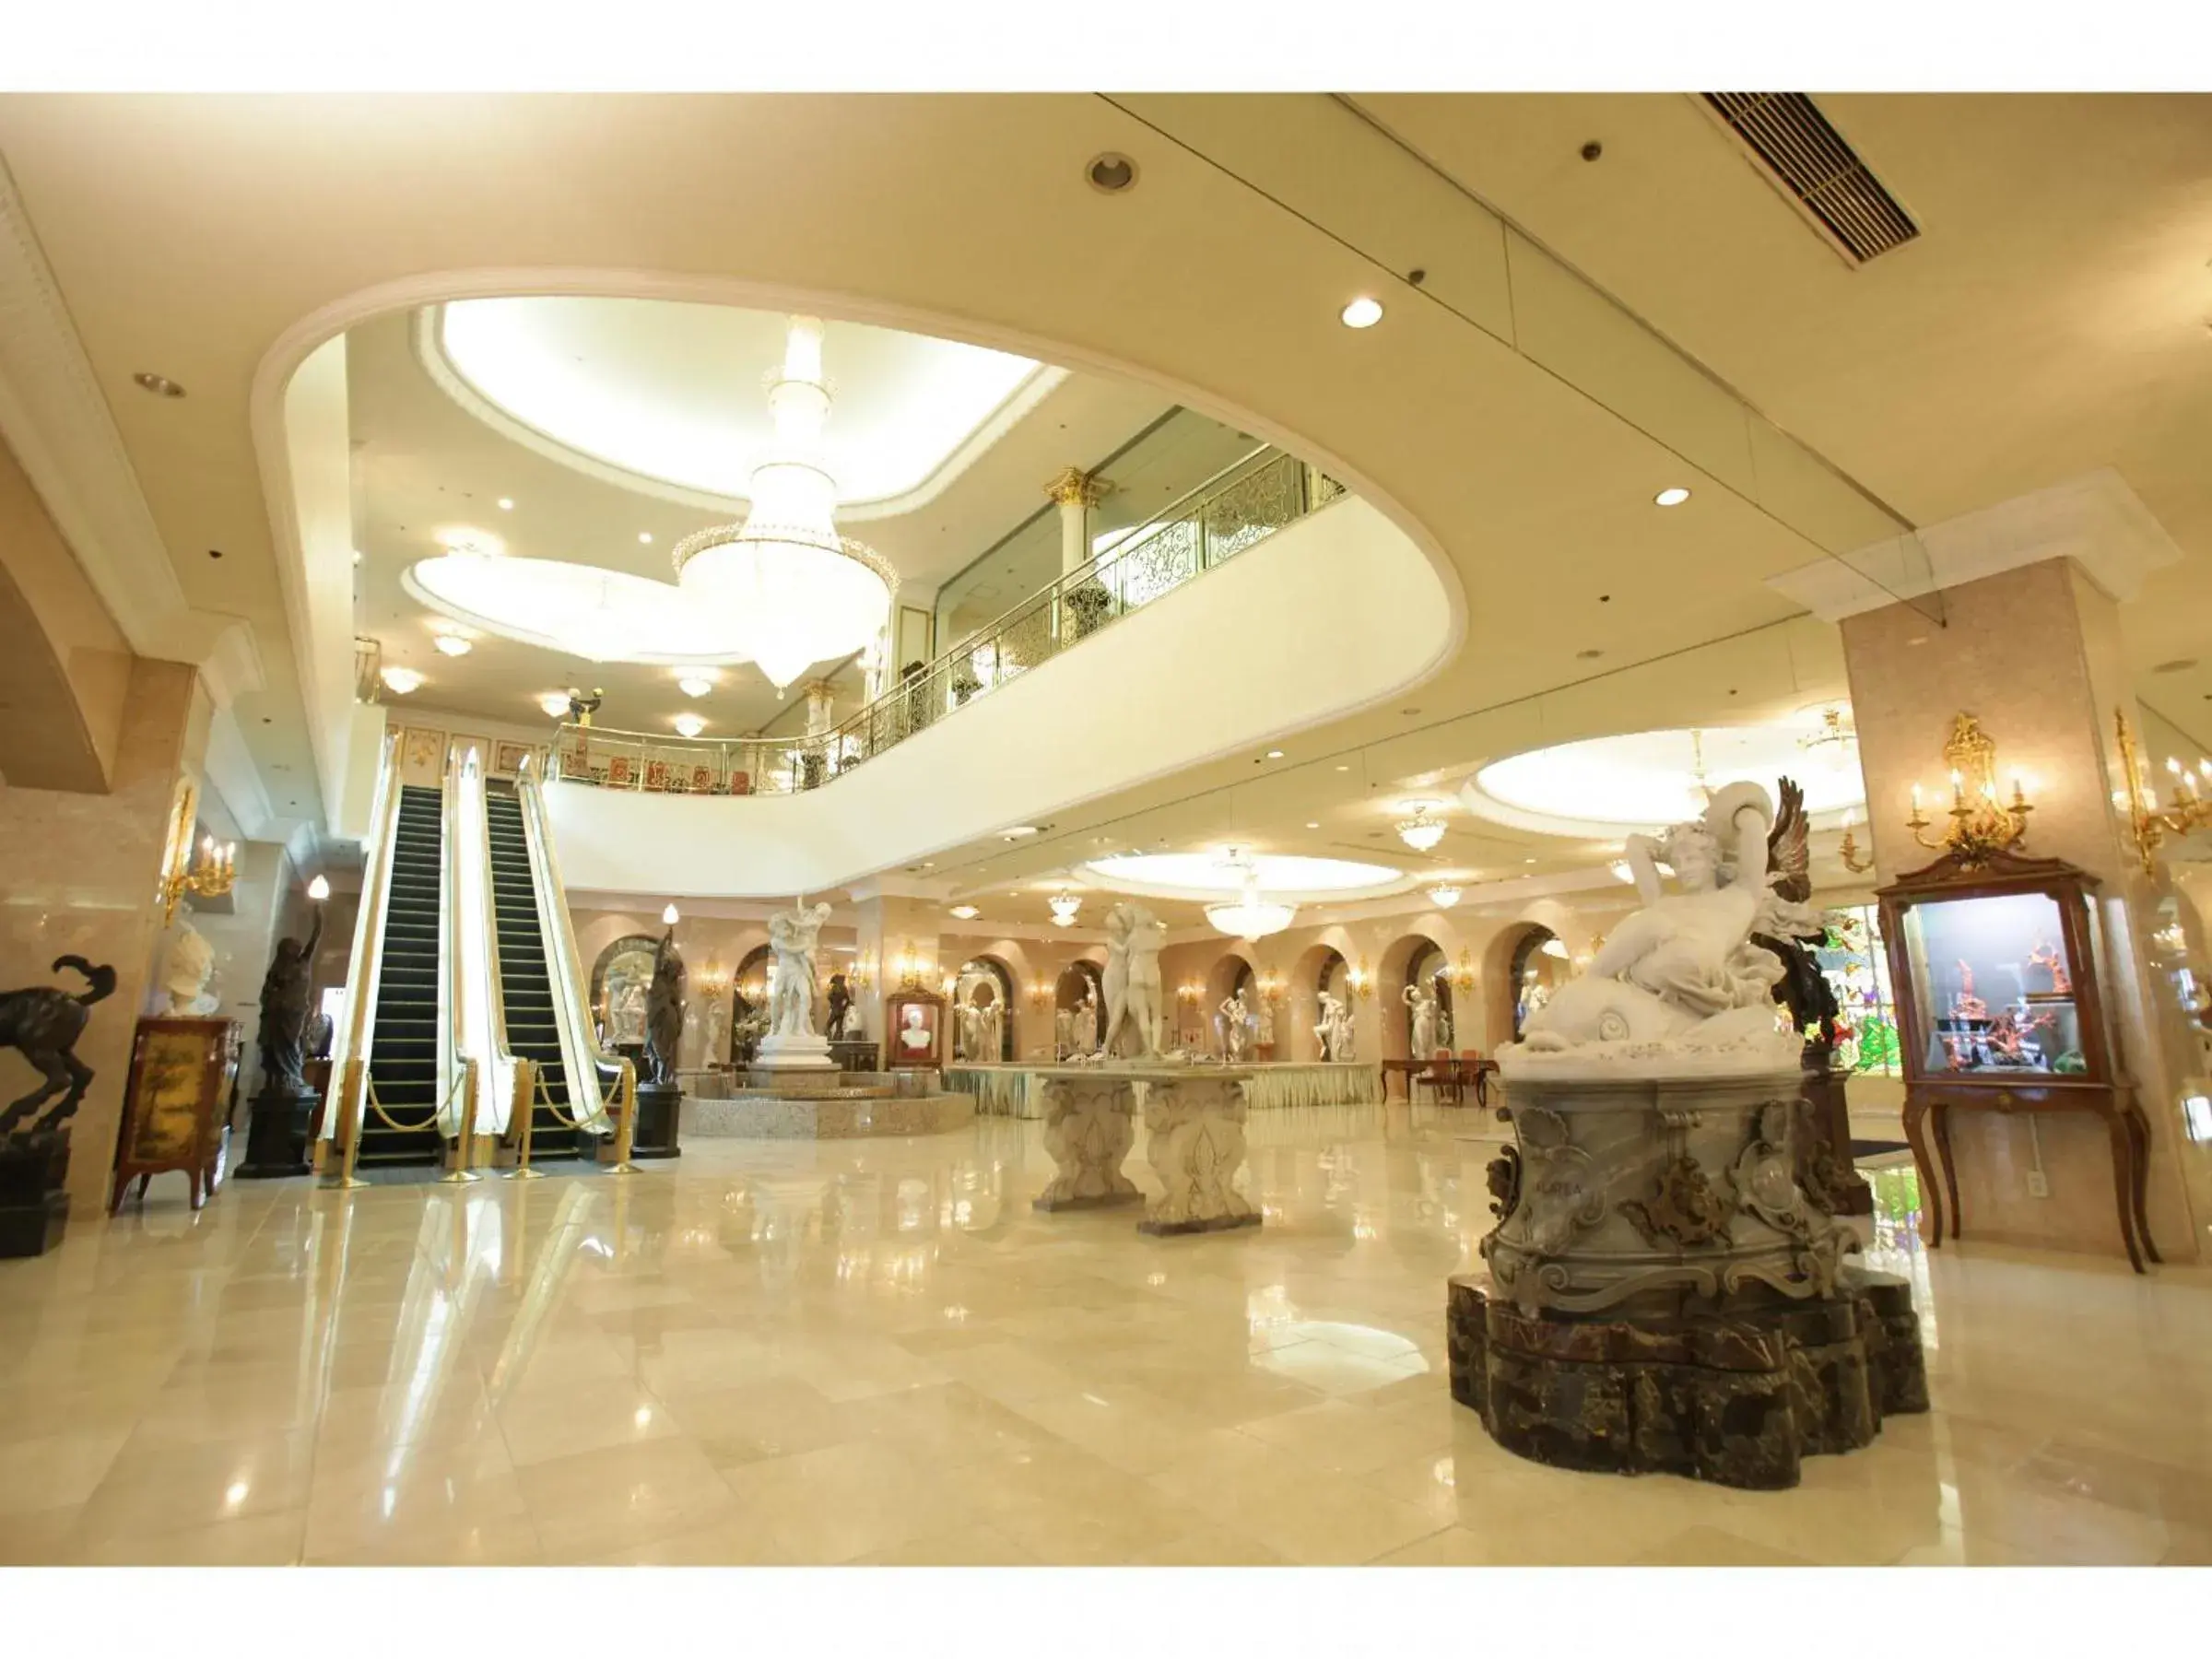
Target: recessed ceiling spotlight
(506,503)
(1362,313)
(966,913)
(645,536)
(695,685)
(451,644)
(1017,832)
(690,726)
(1313,825)
(1344,768)
(161,385)
(1528,861)
(1673,496)
(1111,174)
(555,703)
(1274,754)
(402,680)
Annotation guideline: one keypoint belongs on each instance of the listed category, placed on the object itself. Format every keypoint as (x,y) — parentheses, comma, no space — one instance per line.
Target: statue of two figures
(1134,1028)
(1333,1032)
(791,1039)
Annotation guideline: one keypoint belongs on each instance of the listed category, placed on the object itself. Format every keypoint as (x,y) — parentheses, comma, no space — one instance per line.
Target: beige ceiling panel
(1323,161)
(1576,332)
(1796,487)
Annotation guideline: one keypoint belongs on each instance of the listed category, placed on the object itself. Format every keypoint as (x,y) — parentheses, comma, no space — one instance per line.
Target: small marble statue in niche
(1236,1027)
(1422,1001)
(1266,1026)
(1327,1028)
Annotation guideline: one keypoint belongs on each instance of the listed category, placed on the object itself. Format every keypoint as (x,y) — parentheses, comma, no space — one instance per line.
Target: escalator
(403,1048)
(527,981)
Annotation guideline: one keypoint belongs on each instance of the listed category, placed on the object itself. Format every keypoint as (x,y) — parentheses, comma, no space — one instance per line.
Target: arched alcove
(1522,966)
(982,981)
(1414,958)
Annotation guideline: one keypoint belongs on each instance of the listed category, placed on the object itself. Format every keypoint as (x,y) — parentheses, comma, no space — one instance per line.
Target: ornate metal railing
(1229,514)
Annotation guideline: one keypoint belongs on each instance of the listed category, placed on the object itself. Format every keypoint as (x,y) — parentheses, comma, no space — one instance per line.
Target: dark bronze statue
(841,1007)
(284,1009)
(664,1011)
(42,1024)
(1802,988)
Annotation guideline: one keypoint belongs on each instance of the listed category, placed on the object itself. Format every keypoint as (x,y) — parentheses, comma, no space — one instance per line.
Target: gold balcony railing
(1229,514)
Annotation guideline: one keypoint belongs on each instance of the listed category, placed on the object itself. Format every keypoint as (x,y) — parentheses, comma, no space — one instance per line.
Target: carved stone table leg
(1089,1129)
(1194,1139)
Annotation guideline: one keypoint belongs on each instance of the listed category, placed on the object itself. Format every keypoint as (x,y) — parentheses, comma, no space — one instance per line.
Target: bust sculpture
(664,1011)
(1134,938)
(283,1005)
(792,935)
(1682,971)
(188,974)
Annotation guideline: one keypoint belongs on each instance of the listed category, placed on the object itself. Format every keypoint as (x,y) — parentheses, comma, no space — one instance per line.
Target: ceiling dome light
(695,685)
(1443,895)
(798,592)
(1420,832)
(1249,916)
(1065,906)
(1362,313)
(690,726)
(506,503)
(453,644)
(966,913)
(555,703)
(402,680)
(1673,496)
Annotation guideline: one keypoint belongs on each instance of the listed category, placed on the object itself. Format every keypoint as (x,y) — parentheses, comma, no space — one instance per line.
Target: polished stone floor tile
(875,1352)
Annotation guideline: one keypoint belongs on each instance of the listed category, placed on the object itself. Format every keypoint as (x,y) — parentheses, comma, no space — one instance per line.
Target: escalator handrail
(465,772)
(364,962)
(571,992)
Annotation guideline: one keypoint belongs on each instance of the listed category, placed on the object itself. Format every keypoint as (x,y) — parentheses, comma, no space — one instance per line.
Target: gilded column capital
(1074,487)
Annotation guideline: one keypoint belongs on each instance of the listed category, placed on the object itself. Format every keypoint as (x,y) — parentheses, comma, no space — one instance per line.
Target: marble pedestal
(34,1210)
(800,1050)
(655,1135)
(277,1136)
(1089,1129)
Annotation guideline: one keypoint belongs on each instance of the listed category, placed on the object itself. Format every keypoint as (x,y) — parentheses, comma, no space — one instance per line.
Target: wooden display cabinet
(176,1104)
(1999,1004)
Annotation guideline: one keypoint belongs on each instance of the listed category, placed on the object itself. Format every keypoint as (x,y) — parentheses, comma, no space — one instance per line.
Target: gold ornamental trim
(1076,488)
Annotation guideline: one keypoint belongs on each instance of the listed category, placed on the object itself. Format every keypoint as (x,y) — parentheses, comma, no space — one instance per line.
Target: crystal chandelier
(1249,917)
(1420,832)
(799,592)
(1837,741)
(1443,895)
(1065,906)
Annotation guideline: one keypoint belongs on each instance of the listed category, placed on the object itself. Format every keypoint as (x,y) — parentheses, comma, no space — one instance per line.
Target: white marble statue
(792,935)
(1086,1023)
(1422,1001)
(717,1021)
(1681,975)
(1266,1024)
(1341,1035)
(969,1021)
(991,1031)
(1324,1031)
(1134,938)
(1236,1027)
(188,974)
(1063,1031)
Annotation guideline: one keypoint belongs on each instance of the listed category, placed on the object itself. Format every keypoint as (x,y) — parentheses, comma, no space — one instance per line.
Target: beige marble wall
(2036,654)
(80,878)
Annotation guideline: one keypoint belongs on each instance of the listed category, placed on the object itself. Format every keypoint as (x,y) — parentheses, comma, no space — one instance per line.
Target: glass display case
(1994,963)
(1857,968)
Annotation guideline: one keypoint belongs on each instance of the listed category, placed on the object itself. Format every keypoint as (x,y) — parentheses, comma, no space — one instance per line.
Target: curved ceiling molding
(662,396)
(1605,787)
(1203,876)
(581,610)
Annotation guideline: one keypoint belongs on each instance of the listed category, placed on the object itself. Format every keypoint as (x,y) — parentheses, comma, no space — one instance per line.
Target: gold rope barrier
(529,1083)
(461,1174)
(626,1123)
(352,1080)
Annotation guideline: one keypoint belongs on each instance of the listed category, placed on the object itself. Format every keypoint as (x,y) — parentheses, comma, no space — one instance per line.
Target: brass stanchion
(352,1084)
(626,1123)
(525,1103)
(461,1174)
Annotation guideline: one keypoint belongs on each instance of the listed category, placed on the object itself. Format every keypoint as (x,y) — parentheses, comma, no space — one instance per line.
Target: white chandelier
(1420,832)
(797,592)
(1065,906)
(1249,917)
(1443,895)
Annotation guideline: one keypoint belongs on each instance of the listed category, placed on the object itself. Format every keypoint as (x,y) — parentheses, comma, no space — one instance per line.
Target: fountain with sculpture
(1663,1291)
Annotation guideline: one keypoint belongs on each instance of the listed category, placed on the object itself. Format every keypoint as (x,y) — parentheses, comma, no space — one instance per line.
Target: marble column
(79,878)
(890,924)
(2028,642)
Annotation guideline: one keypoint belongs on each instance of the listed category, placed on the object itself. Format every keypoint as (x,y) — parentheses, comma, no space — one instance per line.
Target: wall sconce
(1981,826)
(1039,992)
(1362,981)
(1848,851)
(861,975)
(1189,991)
(1271,988)
(1463,976)
(2151,822)
(210,872)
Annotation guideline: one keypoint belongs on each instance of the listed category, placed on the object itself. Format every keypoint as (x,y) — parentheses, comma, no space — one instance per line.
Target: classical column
(894,919)
(2014,620)
(821,707)
(1076,492)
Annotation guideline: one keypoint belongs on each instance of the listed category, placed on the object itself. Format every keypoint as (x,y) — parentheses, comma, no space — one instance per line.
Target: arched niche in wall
(1080,979)
(982,981)
(1414,959)
(621,979)
(1525,964)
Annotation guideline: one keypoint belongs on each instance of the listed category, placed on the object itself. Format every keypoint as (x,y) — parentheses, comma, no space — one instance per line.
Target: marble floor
(877,1352)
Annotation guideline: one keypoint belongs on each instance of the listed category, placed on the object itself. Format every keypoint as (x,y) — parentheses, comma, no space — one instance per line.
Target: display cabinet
(174,1105)
(1995,965)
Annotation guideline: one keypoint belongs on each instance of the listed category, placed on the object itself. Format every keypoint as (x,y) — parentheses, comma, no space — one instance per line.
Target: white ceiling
(670,393)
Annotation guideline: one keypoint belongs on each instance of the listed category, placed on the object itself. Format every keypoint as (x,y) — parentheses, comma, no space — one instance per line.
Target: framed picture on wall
(508,758)
(914,1030)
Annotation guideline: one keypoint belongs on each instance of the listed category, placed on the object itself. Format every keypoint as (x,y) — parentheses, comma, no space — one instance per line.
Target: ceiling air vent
(1810,158)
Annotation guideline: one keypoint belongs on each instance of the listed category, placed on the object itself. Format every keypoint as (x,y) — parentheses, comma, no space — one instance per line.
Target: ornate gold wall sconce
(1039,994)
(2149,822)
(1981,826)
(1361,980)
(1271,987)
(1848,850)
(210,871)
(1189,992)
(1463,975)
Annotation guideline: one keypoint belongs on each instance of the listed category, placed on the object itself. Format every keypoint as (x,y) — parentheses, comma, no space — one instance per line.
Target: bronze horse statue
(42,1024)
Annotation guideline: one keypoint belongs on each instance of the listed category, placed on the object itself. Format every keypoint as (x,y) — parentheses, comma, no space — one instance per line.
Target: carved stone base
(804,1051)
(1195,1141)
(34,1210)
(1089,1129)
(1737,1398)
(276,1136)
